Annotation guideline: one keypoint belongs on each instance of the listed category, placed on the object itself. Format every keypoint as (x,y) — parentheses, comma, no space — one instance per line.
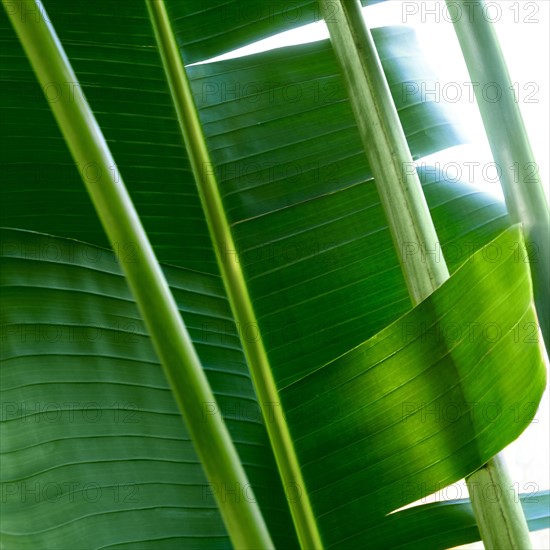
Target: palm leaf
(103,405)
(205,30)
(446,524)
(309,317)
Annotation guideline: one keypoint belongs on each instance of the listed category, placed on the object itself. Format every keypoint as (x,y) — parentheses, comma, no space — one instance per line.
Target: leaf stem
(501,522)
(386,147)
(519,173)
(233,277)
(146,280)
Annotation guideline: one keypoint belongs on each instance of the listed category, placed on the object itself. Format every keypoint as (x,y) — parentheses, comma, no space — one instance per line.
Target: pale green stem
(385,145)
(497,507)
(233,277)
(519,173)
(403,200)
(146,280)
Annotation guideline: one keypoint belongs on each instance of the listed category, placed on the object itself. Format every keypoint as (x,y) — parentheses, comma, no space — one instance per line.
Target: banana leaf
(356,368)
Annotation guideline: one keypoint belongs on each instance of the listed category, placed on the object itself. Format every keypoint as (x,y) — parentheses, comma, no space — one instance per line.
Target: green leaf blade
(93,436)
(423,400)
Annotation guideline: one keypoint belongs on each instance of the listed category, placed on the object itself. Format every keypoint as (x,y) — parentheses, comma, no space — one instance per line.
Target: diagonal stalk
(120,220)
(233,277)
(497,507)
(410,222)
(387,151)
(519,175)
(386,147)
